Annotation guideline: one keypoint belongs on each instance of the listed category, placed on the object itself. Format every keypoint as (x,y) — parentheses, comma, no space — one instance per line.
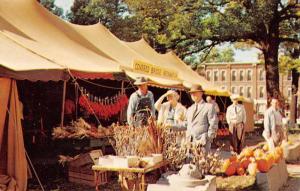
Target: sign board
(150,69)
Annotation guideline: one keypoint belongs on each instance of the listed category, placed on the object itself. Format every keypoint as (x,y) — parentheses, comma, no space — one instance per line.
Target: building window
(233,75)
(233,90)
(249,75)
(223,75)
(289,92)
(223,87)
(242,91)
(249,92)
(242,75)
(289,75)
(216,75)
(208,75)
(261,92)
(261,75)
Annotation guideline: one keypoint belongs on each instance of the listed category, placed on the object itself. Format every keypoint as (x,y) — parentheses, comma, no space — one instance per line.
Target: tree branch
(198,49)
(286,39)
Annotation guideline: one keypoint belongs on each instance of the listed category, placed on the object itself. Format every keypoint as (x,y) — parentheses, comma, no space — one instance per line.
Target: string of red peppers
(104,110)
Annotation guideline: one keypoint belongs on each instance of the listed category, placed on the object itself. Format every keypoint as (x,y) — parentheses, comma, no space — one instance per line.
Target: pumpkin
(245,163)
(225,165)
(233,158)
(232,168)
(248,152)
(270,159)
(263,165)
(252,168)
(276,157)
(240,171)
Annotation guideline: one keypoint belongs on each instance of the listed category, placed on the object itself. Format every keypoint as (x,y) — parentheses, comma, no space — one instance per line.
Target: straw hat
(140,81)
(234,97)
(196,88)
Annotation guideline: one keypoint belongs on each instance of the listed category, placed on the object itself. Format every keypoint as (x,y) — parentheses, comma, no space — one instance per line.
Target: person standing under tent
(212,101)
(141,104)
(170,113)
(273,132)
(236,119)
(202,121)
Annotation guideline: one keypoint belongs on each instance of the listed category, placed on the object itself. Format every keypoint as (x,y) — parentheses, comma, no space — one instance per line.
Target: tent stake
(63,104)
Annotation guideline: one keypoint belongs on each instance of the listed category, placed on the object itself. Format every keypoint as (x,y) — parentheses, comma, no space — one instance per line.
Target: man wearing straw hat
(202,121)
(141,104)
(236,119)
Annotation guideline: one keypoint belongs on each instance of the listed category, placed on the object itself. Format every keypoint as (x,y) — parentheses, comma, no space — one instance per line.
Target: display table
(140,171)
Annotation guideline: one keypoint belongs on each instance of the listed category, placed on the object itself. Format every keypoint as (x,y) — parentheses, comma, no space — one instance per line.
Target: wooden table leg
(97,181)
(143,182)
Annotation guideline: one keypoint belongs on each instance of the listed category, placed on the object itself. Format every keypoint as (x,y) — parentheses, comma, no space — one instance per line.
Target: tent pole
(63,104)
(122,92)
(76,101)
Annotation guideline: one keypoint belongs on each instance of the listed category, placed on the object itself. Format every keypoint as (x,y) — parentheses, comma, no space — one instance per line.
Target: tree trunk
(295,83)
(271,66)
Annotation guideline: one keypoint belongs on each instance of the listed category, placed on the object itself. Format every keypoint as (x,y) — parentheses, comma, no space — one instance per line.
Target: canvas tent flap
(31,26)
(12,151)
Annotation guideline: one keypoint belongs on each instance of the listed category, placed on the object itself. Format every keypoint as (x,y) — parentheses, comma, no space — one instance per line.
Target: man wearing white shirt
(273,124)
(236,119)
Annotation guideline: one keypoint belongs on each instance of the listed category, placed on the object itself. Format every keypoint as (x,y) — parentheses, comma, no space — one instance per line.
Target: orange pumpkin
(262,165)
(240,171)
(252,168)
(245,163)
(231,170)
(233,158)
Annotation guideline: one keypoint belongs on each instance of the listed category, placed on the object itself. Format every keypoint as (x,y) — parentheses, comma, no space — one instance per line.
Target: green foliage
(49,4)
(217,55)
(287,63)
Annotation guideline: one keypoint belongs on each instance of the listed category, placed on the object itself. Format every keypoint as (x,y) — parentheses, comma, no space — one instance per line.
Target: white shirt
(236,114)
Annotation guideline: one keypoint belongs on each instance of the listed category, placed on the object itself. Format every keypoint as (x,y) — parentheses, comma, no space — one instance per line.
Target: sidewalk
(293,183)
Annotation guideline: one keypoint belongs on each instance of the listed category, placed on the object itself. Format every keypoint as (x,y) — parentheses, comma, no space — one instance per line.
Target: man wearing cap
(236,119)
(202,121)
(170,113)
(141,104)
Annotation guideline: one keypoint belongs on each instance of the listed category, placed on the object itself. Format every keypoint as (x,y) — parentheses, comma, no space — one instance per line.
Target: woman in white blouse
(170,113)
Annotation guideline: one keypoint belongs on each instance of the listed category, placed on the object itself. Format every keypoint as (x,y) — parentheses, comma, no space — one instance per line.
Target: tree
(192,26)
(49,4)
(217,55)
(111,13)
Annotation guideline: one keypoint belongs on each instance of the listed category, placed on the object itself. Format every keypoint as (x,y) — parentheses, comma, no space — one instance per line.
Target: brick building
(247,79)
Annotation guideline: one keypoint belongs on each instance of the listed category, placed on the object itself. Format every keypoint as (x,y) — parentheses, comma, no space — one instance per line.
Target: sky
(240,55)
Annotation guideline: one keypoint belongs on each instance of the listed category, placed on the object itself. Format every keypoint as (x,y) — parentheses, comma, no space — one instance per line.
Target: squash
(252,168)
(248,152)
(226,165)
(245,163)
(240,171)
(276,157)
(258,153)
(266,147)
(263,165)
